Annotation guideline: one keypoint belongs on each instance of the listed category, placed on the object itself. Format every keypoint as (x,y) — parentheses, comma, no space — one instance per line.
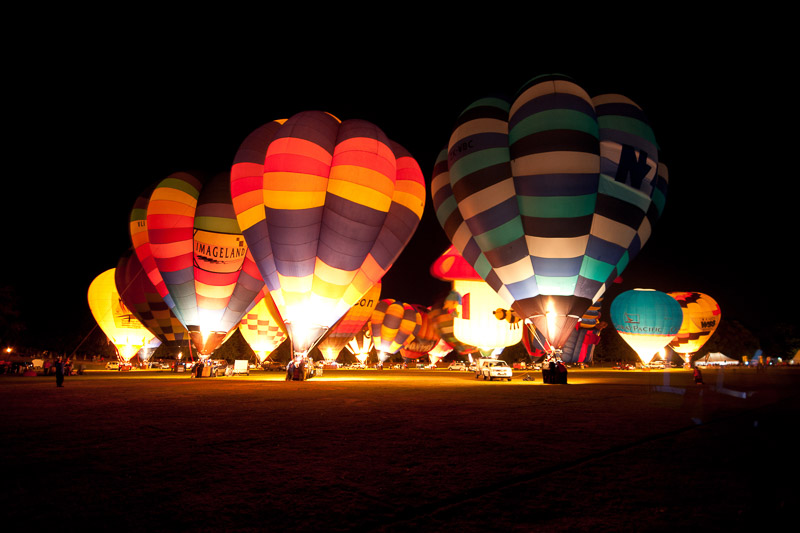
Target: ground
(399,450)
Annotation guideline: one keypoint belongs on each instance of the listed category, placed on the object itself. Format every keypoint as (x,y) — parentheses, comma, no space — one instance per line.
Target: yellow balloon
(118,323)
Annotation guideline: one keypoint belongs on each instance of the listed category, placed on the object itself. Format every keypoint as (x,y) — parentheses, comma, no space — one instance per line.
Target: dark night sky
(91,133)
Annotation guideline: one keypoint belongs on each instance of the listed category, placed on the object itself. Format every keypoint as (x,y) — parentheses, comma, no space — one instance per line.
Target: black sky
(92,131)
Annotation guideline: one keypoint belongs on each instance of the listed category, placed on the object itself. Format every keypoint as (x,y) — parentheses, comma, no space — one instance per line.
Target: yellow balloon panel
(124,330)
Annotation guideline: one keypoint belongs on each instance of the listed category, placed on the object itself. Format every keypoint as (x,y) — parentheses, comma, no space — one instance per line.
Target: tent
(716,358)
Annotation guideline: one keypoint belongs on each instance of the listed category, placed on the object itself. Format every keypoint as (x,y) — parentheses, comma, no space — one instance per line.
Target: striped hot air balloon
(701,316)
(425,339)
(326,206)
(647,320)
(550,197)
(144,301)
(192,238)
(394,325)
(350,324)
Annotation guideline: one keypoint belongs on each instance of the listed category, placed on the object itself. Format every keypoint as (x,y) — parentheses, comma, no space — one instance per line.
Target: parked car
(124,367)
(112,365)
(457,365)
(493,368)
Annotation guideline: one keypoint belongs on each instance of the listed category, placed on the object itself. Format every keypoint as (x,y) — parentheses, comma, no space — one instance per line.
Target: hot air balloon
(579,346)
(350,324)
(393,325)
(483,319)
(549,198)
(425,338)
(124,331)
(191,239)
(361,344)
(701,316)
(647,320)
(443,314)
(142,299)
(326,206)
(262,328)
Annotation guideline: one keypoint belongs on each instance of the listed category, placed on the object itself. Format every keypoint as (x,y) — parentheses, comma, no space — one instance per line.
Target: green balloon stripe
(555,119)
(557,206)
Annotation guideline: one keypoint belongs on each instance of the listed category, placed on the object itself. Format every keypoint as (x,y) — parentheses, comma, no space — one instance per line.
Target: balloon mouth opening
(304,336)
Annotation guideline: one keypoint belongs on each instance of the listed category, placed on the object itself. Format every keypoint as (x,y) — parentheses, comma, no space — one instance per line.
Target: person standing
(59,364)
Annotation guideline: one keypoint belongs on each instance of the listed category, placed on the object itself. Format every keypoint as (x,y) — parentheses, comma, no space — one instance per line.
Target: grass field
(400,450)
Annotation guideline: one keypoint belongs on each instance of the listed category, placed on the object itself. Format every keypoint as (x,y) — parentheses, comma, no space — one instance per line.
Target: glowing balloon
(326,207)
(361,343)
(647,320)
(425,338)
(191,236)
(701,316)
(481,318)
(262,328)
(350,324)
(394,325)
(142,299)
(550,197)
(124,331)
(443,315)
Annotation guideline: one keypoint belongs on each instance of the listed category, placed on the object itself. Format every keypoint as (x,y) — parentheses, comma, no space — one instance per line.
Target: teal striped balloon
(550,197)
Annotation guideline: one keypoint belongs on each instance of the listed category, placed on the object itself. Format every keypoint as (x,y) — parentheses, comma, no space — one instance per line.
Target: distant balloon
(326,206)
(123,329)
(550,198)
(262,328)
(143,300)
(443,314)
(191,236)
(394,325)
(701,316)
(361,344)
(647,320)
(350,324)
(425,339)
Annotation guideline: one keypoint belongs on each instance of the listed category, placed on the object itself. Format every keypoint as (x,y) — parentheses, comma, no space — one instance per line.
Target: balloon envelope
(143,300)
(118,323)
(350,324)
(550,197)
(701,316)
(262,328)
(326,207)
(394,325)
(191,236)
(647,320)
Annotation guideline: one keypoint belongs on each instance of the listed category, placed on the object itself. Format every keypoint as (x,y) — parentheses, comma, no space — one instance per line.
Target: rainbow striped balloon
(326,206)
(191,236)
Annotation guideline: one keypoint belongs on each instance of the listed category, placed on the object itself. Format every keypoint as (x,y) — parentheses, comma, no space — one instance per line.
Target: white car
(493,368)
(457,365)
(112,365)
